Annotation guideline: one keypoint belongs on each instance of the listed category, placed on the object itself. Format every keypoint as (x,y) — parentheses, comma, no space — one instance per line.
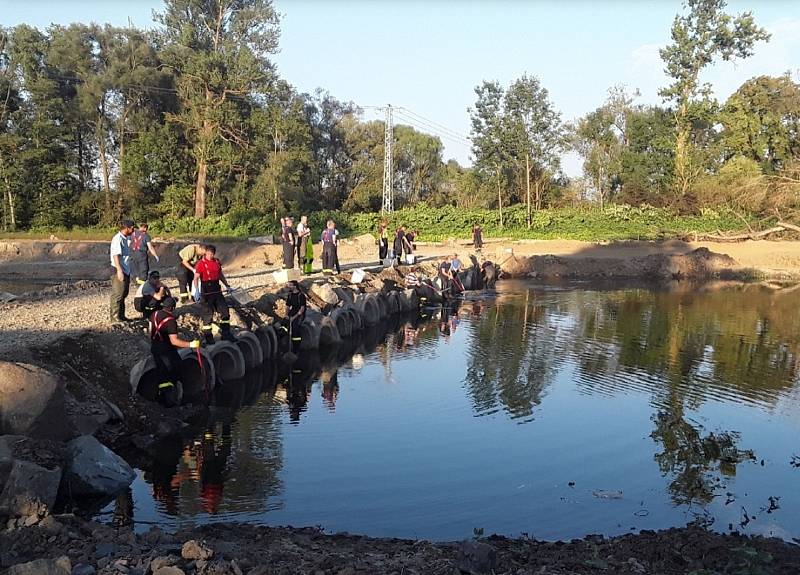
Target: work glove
(194,344)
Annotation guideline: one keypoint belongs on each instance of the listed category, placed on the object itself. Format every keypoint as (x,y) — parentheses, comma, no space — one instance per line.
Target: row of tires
(202,369)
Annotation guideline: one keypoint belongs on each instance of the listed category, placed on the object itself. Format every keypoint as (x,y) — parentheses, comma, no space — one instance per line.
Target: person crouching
(208,272)
(164,345)
(150,294)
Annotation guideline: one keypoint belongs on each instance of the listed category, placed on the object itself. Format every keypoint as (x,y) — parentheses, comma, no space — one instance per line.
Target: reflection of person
(121,278)
(330,389)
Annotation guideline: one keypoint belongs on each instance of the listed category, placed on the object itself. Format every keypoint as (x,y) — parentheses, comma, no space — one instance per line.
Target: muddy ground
(91,547)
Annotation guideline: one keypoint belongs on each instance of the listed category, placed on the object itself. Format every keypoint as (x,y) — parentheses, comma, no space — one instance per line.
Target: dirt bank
(235,549)
(80,260)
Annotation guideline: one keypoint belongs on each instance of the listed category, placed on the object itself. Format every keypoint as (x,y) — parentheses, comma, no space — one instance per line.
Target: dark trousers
(168,366)
(185,279)
(383,249)
(293,328)
(214,303)
(119,291)
(140,267)
(302,244)
(328,257)
(288,255)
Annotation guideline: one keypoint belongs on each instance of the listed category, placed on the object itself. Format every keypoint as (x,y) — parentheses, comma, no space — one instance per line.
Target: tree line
(191,119)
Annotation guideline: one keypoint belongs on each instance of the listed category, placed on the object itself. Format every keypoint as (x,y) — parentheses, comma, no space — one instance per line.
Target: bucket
(358,276)
(411,259)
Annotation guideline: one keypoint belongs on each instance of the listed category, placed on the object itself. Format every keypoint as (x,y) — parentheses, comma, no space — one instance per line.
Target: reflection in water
(658,389)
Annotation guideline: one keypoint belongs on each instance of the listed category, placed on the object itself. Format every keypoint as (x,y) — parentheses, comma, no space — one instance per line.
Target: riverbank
(67,542)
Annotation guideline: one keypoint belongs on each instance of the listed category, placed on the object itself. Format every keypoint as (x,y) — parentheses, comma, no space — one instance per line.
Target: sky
(428,56)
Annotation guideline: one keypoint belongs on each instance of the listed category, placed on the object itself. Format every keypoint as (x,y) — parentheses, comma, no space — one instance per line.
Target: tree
(220,52)
(535,135)
(647,162)
(698,38)
(761,121)
(488,131)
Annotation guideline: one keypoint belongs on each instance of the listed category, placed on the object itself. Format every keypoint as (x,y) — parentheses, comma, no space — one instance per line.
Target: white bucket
(411,259)
(358,276)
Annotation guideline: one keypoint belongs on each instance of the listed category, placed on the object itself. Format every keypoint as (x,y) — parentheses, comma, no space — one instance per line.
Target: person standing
(477,237)
(455,268)
(164,345)
(295,314)
(383,240)
(189,256)
(399,244)
(336,249)
(141,250)
(302,241)
(288,240)
(329,247)
(121,278)
(208,272)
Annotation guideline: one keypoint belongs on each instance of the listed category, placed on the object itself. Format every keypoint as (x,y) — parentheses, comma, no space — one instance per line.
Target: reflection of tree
(514,353)
(695,462)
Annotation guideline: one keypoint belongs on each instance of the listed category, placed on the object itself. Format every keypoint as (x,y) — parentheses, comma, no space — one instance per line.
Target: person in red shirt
(208,272)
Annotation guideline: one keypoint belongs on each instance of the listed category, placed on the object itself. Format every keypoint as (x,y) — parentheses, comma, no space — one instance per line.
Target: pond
(550,411)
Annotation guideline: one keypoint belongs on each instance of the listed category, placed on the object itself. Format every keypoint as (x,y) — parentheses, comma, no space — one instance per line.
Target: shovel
(290,357)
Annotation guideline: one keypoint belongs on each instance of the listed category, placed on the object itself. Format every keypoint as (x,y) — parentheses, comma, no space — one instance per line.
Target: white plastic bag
(195,291)
(358,276)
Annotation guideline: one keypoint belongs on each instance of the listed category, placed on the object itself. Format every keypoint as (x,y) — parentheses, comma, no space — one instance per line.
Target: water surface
(555,412)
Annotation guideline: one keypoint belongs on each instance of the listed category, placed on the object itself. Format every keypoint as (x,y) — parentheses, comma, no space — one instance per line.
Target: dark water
(526,411)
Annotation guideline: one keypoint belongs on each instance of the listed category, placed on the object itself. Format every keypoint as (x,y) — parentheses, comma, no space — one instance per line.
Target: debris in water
(607,494)
(571,484)
(745,518)
(773,504)
(795,462)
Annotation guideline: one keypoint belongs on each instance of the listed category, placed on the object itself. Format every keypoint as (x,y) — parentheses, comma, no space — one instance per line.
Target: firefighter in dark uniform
(288,239)
(329,256)
(295,314)
(208,272)
(164,345)
(189,256)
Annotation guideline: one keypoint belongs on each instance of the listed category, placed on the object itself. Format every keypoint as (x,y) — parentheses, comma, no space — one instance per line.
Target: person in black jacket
(289,240)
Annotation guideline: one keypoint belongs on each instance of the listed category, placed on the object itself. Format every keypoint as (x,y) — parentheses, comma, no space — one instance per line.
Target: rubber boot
(227,335)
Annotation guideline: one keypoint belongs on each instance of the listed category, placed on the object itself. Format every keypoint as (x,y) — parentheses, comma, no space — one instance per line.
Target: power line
(434,123)
(428,128)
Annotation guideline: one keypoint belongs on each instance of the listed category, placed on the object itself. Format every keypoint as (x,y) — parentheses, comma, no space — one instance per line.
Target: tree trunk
(101,147)
(528,186)
(200,188)
(499,199)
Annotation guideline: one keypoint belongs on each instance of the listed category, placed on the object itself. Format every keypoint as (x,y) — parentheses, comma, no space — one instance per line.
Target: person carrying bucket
(208,273)
(164,345)
(189,256)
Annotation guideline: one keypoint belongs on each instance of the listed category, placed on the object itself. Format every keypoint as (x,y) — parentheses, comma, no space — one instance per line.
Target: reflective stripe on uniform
(165,385)
(297,339)
(224,322)
(185,294)
(206,328)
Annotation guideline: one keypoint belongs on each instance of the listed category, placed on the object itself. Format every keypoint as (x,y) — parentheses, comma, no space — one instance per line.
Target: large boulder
(325,293)
(60,566)
(32,403)
(29,490)
(94,469)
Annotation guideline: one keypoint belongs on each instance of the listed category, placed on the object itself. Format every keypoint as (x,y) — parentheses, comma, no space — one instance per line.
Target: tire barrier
(269,341)
(410,299)
(356,320)
(309,335)
(343,322)
(383,304)
(369,309)
(198,380)
(328,333)
(250,347)
(345,295)
(228,360)
(144,379)
(394,302)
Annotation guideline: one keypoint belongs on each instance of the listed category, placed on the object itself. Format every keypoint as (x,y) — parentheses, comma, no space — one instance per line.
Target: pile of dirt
(235,549)
(697,264)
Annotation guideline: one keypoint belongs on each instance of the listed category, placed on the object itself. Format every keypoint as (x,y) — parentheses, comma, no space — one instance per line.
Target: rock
(476,558)
(30,489)
(94,469)
(325,293)
(6,297)
(83,569)
(163,561)
(60,566)
(105,549)
(32,403)
(193,550)
(169,571)
(6,459)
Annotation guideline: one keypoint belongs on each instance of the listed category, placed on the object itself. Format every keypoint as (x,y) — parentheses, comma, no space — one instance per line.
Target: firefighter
(189,256)
(208,273)
(141,250)
(150,294)
(295,314)
(329,256)
(164,345)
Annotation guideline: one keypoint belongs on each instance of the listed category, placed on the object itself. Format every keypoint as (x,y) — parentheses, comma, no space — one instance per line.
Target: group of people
(295,243)
(403,244)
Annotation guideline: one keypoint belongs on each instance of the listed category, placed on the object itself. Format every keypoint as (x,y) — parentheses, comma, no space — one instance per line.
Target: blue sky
(429,56)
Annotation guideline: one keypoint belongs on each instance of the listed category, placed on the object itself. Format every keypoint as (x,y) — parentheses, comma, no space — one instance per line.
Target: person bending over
(208,273)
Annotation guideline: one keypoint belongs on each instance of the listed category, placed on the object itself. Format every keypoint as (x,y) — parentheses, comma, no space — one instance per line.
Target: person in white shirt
(302,240)
(120,253)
